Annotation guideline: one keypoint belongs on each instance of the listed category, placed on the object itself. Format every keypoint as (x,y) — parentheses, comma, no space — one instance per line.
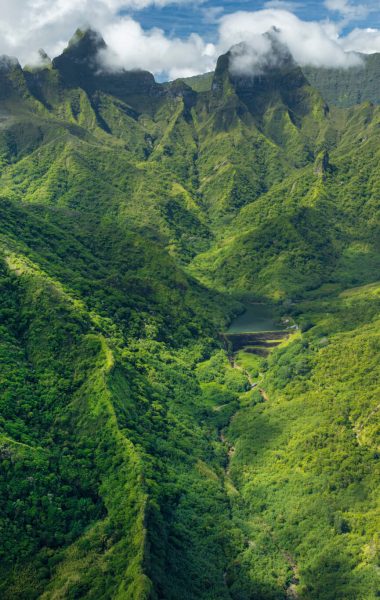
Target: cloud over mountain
(27,25)
(309,42)
(362,40)
(132,47)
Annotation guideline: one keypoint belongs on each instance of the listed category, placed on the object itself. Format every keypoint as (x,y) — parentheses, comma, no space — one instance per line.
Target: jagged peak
(267,58)
(7,63)
(80,59)
(255,77)
(12,81)
(45,59)
(41,63)
(85,43)
(279,51)
(267,54)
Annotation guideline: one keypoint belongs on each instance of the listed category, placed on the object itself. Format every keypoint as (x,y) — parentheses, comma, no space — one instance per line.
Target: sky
(174,38)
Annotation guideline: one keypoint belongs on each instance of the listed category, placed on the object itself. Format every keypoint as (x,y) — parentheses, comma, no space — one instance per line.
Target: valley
(190,333)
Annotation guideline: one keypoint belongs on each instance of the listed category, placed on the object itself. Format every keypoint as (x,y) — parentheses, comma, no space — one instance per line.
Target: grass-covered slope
(200,83)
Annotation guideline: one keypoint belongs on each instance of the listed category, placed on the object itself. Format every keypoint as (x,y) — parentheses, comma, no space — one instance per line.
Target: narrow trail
(291,585)
(264,395)
(291,590)
(234,364)
(252,383)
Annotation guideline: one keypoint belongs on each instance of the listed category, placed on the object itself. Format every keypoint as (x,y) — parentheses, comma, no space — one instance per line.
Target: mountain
(348,87)
(339,87)
(145,455)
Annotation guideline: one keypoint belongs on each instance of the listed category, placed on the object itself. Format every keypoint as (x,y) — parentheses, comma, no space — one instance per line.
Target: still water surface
(256,318)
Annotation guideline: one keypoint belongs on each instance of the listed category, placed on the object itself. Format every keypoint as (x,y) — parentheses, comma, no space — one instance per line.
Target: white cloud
(351,11)
(366,41)
(253,57)
(282,5)
(309,42)
(212,14)
(27,25)
(131,47)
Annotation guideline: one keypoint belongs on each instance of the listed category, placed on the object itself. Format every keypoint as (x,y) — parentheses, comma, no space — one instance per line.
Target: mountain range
(142,456)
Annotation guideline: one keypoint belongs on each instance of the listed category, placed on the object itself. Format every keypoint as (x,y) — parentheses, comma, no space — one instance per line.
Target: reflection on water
(256,318)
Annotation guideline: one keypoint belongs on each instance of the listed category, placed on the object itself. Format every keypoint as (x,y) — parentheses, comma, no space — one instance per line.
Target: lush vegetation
(306,461)
(140,459)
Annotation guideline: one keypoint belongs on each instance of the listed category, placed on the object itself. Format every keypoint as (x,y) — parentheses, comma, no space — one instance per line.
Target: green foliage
(305,461)
(138,460)
(348,87)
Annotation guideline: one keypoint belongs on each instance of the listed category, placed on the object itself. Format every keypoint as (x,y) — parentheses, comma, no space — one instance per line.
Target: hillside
(348,87)
(142,458)
(200,83)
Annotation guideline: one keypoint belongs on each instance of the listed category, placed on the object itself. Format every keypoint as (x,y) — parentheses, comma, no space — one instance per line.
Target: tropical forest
(190,330)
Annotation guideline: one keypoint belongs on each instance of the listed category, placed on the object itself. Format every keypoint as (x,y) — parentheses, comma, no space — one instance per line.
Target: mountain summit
(85,43)
(262,82)
(79,62)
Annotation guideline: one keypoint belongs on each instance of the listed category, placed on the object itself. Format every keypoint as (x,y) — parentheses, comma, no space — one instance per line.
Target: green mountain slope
(281,241)
(140,459)
(348,87)
(200,83)
(89,400)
